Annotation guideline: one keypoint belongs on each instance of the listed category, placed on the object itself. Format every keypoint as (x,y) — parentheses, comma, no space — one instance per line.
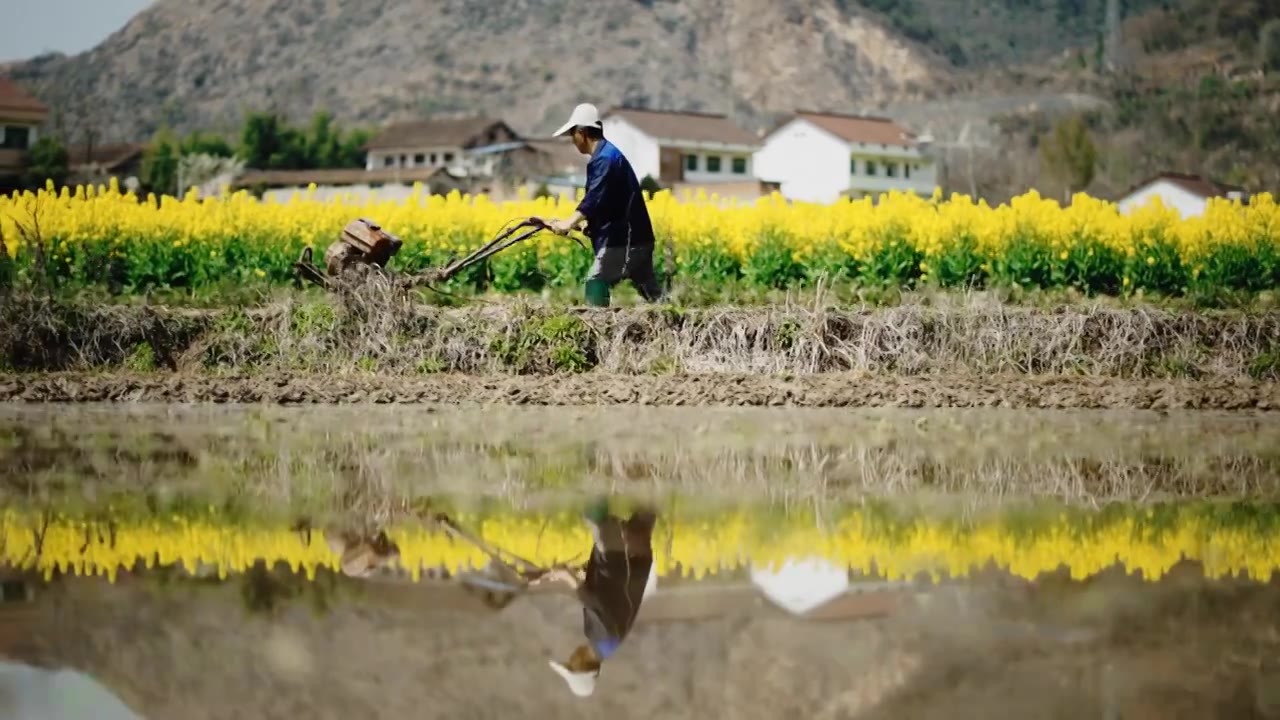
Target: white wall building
(439,143)
(821,157)
(682,148)
(1188,194)
(20,118)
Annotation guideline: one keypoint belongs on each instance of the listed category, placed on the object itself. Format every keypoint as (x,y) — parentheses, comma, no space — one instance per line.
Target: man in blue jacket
(613,207)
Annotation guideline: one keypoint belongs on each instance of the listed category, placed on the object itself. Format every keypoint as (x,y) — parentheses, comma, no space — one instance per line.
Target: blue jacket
(613,203)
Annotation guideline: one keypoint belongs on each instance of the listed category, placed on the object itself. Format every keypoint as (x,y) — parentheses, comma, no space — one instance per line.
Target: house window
(853,166)
(871,167)
(906,170)
(420,159)
(404,161)
(891,169)
(433,158)
(691,163)
(713,163)
(448,157)
(739,166)
(15,137)
(388,161)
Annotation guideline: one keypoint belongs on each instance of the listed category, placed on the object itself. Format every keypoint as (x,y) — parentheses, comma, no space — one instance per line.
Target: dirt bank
(821,390)
(401,338)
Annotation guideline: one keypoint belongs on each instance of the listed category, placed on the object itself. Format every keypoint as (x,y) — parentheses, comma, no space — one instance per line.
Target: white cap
(581,684)
(584,115)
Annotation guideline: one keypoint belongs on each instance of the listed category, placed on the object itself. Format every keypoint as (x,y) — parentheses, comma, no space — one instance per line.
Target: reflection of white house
(682,148)
(820,157)
(1188,194)
(800,585)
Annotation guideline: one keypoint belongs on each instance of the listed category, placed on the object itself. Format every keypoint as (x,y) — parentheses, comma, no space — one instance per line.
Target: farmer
(614,210)
(611,591)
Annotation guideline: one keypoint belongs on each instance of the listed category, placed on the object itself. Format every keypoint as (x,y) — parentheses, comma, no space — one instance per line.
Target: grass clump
(554,343)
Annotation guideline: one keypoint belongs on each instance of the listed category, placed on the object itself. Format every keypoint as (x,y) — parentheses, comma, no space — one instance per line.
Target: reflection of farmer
(611,591)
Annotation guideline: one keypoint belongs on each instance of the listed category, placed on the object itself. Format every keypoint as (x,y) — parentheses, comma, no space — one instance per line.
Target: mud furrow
(824,390)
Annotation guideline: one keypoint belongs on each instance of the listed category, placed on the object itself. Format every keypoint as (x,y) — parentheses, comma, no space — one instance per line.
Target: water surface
(250,562)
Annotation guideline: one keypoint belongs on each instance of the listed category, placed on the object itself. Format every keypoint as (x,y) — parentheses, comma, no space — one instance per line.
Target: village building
(684,151)
(463,146)
(1188,194)
(21,115)
(99,164)
(821,157)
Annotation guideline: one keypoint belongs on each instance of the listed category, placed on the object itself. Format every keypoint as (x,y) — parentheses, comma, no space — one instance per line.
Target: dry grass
(376,329)
(372,460)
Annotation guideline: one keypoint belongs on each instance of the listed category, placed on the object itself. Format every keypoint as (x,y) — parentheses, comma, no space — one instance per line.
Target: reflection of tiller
(364,248)
(507,576)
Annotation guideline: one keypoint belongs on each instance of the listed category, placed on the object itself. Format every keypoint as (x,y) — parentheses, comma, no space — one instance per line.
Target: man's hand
(558,575)
(562,227)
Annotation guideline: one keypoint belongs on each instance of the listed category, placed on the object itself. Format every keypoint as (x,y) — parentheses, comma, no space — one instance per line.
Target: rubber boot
(597,293)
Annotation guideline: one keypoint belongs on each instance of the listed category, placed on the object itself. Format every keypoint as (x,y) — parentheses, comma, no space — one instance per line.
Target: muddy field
(387,454)
(1115,647)
(173,643)
(733,389)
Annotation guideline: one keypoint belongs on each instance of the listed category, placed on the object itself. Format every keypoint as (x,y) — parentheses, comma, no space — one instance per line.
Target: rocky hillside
(988,80)
(202,65)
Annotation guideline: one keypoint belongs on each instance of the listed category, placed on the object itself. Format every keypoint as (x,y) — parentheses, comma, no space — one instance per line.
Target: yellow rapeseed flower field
(103,236)
(690,547)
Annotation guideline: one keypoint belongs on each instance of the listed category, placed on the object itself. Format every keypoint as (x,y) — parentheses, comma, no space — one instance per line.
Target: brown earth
(1115,646)
(822,390)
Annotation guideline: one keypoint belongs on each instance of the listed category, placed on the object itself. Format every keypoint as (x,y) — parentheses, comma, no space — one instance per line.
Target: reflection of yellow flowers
(693,547)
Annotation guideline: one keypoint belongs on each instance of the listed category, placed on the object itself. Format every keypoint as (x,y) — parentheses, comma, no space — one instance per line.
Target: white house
(682,149)
(820,157)
(454,144)
(20,117)
(1188,194)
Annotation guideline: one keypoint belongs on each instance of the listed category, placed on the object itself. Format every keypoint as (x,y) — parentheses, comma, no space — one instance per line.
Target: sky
(68,26)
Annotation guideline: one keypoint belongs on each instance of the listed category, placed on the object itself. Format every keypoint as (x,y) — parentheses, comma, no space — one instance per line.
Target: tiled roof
(13,97)
(341,176)
(437,132)
(1191,183)
(108,155)
(686,126)
(859,128)
(561,152)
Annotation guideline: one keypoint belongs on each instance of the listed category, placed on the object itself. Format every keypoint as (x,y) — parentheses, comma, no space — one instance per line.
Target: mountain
(195,65)
(1190,93)
(203,64)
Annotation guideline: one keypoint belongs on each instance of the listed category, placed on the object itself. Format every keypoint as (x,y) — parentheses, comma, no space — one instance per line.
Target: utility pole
(964,141)
(1114,38)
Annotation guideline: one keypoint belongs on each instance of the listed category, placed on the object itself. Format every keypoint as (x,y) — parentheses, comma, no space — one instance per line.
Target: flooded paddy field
(212,561)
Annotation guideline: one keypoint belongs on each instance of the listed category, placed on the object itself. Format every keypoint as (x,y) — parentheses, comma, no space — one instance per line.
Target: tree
(1269,46)
(199,169)
(324,142)
(47,160)
(198,143)
(160,163)
(268,143)
(1070,153)
(650,185)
